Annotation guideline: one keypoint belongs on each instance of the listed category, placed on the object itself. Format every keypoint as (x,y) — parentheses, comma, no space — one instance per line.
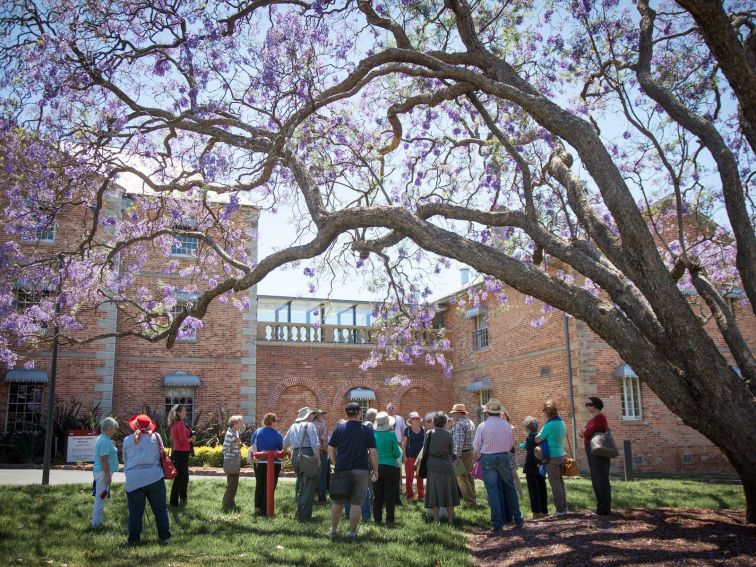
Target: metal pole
(53,374)
(569,386)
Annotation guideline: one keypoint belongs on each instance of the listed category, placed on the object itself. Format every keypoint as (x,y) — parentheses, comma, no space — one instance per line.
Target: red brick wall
(289,377)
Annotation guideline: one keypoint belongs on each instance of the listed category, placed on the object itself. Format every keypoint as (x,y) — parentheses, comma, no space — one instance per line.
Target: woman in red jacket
(599,465)
(182,437)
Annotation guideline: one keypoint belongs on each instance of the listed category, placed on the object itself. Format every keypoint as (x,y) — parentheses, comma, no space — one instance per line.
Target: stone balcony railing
(308,333)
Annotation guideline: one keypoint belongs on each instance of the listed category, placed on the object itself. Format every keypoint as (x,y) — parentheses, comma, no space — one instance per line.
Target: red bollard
(271,474)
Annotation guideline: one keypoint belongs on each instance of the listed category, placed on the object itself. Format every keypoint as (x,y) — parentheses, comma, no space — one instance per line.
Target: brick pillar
(248,390)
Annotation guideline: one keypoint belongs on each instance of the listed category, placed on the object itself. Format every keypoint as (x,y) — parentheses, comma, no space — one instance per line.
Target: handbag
(169,469)
(477,470)
(603,445)
(569,467)
(422,469)
(341,481)
(306,465)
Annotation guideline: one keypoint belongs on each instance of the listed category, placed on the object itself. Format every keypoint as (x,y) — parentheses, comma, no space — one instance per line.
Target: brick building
(283,353)
(498,353)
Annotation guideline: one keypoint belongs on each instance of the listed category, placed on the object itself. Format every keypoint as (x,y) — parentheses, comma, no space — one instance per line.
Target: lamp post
(53,373)
(569,385)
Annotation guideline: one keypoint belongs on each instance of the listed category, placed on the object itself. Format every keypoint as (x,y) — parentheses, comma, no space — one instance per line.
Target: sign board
(80,445)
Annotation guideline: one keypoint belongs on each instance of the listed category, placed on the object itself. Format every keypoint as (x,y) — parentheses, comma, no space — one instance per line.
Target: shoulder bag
(422,469)
(341,481)
(569,466)
(169,469)
(306,465)
(603,445)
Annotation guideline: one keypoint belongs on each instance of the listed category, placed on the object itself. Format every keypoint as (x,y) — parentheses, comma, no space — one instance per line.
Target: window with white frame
(631,397)
(24,407)
(181,302)
(480,334)
(183,244)
(363,397)
(45,231)
(183,397)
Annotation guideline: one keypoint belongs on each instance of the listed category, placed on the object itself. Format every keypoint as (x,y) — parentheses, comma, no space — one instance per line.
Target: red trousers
(409,473)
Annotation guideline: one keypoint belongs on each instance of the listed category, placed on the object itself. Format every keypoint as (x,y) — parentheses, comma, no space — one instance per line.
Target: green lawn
(49,524)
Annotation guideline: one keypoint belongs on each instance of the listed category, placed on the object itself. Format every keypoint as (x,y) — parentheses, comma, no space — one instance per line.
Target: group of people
(441,454)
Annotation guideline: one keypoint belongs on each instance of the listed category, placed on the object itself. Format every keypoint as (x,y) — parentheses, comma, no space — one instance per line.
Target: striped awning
(479,386)
(26,376)
(624,371)
(361,394)
(179,379)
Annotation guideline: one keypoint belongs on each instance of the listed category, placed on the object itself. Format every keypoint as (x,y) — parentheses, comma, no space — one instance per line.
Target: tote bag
(169,469)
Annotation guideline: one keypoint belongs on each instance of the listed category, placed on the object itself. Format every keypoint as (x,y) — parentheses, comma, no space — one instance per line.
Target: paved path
(34,476)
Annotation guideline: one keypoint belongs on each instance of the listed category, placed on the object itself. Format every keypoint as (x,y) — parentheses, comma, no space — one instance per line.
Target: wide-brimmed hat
(493,406)
(384,422)
(413,415)
(459,408)
(143,422)
(304,413)
(319,411)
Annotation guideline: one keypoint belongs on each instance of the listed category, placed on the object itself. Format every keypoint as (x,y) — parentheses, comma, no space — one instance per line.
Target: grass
(48,526)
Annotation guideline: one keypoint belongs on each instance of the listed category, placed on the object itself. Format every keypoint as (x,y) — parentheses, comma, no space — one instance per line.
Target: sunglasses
(589,404)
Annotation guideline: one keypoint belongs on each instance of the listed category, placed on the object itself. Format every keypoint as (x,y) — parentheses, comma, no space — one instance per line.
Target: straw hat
(384,422)
(459,408)
(413,415)
(493,406)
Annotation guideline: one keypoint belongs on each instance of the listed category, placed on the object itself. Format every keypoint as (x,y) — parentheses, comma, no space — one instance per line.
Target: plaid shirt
(463,433)
(322,431)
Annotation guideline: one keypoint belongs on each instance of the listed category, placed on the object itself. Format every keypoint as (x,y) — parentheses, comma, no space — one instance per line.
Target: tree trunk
(743,459)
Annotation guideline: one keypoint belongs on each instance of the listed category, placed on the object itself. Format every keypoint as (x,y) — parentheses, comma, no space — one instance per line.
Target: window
(631,400)
(24,407)
(362,396)
(45,231)
(184,245)
(483,397)
(181,396)
(26,298)
(181,302)
(480,334)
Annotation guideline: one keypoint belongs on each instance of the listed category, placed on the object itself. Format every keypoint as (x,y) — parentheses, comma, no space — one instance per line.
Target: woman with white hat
(412,444)
(144,478)
(386,488)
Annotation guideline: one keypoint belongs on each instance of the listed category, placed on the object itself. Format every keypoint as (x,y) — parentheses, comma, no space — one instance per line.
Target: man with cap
(352,448)
(302,437)
(325,468)
(463,433)
(493,441)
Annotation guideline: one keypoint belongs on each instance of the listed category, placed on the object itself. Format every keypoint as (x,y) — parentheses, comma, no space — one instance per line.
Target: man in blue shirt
(352,448)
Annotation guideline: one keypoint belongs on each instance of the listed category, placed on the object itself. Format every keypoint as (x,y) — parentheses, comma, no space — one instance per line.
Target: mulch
(650,537)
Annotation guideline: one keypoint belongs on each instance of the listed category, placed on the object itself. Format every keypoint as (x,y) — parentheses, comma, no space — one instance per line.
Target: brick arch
(283,385)
(421,384)
(338,399)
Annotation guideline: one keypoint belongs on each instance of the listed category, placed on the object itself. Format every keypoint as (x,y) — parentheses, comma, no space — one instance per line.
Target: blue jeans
(155,494)
(500,488)
(325,473)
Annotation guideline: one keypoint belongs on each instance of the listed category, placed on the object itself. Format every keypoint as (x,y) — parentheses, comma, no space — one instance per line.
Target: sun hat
(142,422)
(384,422)
(459,408)
(304,413)
(413,415)
(493,406)
(319,411)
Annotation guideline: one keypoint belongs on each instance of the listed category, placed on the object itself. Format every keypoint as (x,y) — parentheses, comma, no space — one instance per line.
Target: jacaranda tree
(594,155)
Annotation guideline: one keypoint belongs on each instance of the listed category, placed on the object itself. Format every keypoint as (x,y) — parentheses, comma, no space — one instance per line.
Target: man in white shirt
(400,424)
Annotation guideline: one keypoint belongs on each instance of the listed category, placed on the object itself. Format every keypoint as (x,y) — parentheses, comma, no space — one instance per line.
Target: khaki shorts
(359,488)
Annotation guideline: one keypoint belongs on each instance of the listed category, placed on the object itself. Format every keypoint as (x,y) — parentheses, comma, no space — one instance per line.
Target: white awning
(624,371)
(479,386)
(26,376)
(181,380)
(361,394)
(475,311)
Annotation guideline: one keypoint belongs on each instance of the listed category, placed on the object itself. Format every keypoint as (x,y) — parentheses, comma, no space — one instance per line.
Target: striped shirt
(463,432)
(494,435)
(322,430)
(232,444)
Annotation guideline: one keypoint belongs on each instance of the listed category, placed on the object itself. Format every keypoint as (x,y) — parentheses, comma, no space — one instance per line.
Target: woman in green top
(553,433)
(105,464)
(386,487)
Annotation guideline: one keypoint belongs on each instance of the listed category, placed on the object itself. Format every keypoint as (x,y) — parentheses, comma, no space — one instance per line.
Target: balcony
(307,333)
(480,339)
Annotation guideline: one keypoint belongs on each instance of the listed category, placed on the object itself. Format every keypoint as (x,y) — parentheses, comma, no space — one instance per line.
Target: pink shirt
(180,434)
(494,435)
